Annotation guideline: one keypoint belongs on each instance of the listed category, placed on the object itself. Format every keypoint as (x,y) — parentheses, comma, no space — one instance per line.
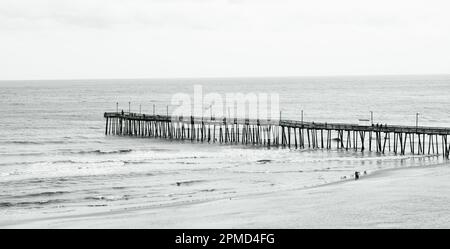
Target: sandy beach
(402,198)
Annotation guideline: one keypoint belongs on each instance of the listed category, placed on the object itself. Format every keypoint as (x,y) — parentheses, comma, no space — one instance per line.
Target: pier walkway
(285,133)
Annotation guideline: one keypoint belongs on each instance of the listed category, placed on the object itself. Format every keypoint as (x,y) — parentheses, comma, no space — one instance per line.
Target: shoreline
(413,197)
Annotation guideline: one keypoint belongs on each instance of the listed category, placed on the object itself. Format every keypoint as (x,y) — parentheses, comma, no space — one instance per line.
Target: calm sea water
(54,156)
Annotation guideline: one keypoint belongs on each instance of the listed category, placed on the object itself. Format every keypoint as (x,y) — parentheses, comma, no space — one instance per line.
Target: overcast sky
(62,39)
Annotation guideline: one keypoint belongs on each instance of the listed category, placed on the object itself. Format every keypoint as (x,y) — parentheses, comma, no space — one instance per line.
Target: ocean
(56,159)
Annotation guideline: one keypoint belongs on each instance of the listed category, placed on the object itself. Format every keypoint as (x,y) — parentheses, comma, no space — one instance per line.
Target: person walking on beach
(356,175)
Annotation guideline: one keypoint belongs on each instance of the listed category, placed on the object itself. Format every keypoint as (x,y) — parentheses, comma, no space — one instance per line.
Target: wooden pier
(284,133)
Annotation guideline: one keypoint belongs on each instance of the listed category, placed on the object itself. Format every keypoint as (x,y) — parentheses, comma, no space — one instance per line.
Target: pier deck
(286,133)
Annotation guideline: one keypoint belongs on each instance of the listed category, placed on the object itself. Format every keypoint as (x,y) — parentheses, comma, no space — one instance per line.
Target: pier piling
(282,133)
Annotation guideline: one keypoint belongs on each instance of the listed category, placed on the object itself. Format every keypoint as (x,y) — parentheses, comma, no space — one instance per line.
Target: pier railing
(286,133)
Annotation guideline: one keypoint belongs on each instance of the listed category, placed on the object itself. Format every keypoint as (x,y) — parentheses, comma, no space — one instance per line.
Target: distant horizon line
(232,77)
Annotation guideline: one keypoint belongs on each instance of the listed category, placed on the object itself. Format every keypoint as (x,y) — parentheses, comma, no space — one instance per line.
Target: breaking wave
(100,152)
(36,142)
(30,203)
(48,193)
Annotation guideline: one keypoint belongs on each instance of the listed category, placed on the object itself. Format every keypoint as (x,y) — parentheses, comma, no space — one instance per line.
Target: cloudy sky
(62,39)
